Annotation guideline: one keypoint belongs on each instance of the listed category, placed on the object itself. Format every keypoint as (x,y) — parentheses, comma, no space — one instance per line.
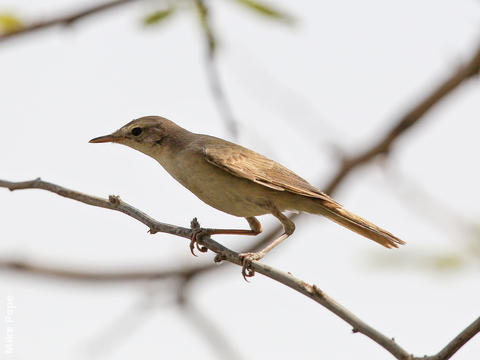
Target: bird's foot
(247,259)
(197,234)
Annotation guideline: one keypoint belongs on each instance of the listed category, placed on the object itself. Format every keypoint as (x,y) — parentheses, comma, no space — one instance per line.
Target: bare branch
(384,145)
(64,20)
(212,334)
(412,117)
(112,203)
(218,93)
(106,340)
(223,253)
(59,272)
(454,345)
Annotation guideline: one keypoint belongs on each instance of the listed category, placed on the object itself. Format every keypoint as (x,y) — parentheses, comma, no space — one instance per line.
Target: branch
(99,276)
(221,101)
(64,20)
(113,203)
(212,334)
(223,253)
(385,144)
(103,341)
(454,345)
(412,117)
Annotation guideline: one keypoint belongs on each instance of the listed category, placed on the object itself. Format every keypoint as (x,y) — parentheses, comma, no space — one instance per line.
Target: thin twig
(223,253)
(113,203)
(105,341)
(59,272)
(211,68)
(218,93)
(454,345)
(212,334)
(64,20)
(412,117)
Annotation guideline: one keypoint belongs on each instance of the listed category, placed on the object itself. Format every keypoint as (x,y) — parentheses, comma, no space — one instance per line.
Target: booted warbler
(237,181)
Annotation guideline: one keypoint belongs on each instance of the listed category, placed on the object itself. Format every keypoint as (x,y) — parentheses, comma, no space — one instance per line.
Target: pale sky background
(341,76)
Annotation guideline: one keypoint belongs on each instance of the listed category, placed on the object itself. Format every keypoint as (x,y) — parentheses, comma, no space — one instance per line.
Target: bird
(237,181)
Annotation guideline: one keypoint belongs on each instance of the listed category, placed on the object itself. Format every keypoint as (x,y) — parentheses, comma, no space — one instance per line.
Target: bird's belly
(234,196)
(222,190)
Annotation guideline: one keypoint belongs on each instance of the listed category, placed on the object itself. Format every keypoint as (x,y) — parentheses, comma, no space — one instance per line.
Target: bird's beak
(106,138)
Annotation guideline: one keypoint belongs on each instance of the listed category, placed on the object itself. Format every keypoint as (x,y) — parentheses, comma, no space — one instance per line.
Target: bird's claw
(247,259)
(197,233)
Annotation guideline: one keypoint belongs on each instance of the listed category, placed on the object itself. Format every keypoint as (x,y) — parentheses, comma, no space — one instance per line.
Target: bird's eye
(136,131)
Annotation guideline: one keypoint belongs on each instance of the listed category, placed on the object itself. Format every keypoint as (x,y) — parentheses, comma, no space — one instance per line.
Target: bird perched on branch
(237,181)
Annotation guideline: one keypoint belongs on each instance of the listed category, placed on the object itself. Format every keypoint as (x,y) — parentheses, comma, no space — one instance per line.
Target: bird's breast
(217,187)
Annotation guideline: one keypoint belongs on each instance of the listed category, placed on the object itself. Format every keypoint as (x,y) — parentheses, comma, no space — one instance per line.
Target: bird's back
(250,165)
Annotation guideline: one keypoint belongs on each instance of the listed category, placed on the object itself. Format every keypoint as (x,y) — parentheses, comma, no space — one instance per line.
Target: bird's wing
(250,165)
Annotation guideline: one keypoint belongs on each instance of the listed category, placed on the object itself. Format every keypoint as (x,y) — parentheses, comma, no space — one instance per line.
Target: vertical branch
(211,68)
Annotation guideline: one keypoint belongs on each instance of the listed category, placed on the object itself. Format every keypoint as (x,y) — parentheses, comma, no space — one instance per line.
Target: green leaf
(267,10)
(9,23)
(158,16)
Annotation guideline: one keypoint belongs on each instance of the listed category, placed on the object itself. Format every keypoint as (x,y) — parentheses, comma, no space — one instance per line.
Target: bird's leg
(247,258)
(198,232)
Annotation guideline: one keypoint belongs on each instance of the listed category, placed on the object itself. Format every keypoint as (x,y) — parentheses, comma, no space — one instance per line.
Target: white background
(339,78)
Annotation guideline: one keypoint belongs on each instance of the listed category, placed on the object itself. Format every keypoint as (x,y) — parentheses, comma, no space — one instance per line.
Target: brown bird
(237,181)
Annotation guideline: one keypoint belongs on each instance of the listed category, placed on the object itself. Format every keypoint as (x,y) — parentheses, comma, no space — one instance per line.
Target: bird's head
(147,134)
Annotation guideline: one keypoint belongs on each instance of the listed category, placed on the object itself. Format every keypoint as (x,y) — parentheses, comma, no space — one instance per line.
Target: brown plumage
(247,164)
(237,180)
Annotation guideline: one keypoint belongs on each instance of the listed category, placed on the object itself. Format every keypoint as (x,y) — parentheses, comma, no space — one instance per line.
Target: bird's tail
(337,213)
